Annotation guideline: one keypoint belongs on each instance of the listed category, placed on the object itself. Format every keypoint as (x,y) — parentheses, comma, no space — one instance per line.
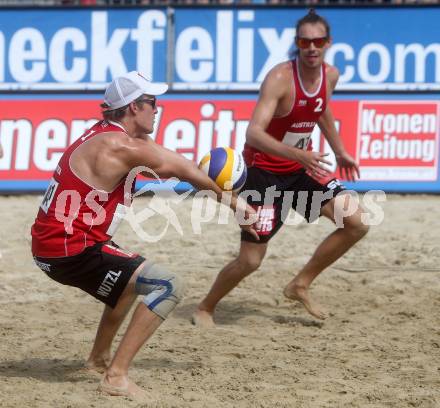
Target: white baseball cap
(128,87)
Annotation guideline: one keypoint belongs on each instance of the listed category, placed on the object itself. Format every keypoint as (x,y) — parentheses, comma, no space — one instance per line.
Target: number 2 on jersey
(319,102)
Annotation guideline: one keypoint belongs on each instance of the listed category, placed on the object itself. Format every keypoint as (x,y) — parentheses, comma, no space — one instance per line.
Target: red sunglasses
(306,42)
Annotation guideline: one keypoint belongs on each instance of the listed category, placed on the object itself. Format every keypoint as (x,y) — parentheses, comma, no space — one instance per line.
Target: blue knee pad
(162,289)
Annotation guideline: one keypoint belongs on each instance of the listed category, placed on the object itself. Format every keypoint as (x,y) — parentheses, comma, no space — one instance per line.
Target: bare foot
(301,294)
(122,386)
(97,367)
(203,319)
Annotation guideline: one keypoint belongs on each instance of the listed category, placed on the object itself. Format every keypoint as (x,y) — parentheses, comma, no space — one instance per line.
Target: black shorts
(102,270)
(275,194)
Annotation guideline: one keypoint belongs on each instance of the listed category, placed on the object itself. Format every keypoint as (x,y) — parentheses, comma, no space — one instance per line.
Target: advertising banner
(212,48)
(396,142)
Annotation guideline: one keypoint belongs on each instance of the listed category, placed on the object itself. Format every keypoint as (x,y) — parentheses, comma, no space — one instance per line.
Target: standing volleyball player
(294,97)
(85,201)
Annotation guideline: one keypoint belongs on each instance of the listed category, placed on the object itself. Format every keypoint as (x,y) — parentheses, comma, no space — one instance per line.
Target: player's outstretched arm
(173,164)
(167,163)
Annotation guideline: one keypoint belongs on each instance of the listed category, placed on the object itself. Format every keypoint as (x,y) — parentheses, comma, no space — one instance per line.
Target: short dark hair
(119,113)
(313,18)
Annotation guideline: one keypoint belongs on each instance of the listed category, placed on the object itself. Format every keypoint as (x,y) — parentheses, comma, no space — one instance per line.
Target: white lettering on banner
(278,47)
(2,59)
(384,63)
(157,120)
(230,51)
(28,60)
(398,140)
(195,50)
(206,130)
(194,44)
(224,126)
(107,54)
(420,54)
(347,50)
(390,147)
(373,122)
(224,46)
(180,135)
(393,62)
(245,53)
(51,134)
(57,55)
(151,28)
(18,134)
(184,137)
(78,127)
(27,47)
(16,138)
(192,138)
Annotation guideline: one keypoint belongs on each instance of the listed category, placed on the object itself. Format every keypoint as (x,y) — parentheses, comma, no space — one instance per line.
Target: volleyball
(226,167)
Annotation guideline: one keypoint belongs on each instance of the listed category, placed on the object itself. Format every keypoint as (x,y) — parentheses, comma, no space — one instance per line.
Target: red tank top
(74,215)
(294,129)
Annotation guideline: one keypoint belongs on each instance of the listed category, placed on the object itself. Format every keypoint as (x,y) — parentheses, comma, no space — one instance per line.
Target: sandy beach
(379,347)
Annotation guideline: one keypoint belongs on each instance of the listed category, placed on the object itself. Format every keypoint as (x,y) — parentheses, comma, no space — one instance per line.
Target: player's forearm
(335,142)
(327,125)
(329,131)
(197,178)
(201,181)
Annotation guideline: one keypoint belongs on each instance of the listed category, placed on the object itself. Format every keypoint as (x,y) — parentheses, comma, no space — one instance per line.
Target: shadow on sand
(231,312)
(58,371)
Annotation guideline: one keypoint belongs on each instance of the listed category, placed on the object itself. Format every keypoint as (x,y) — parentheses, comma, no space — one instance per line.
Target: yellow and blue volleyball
(226,167)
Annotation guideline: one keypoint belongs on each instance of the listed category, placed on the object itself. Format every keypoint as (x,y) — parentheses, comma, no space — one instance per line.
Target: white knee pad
(162,289)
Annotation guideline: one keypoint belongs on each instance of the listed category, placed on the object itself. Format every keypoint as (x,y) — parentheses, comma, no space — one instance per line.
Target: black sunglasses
(151,102)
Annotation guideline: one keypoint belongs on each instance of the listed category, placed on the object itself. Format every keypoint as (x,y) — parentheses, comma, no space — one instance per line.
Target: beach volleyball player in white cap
(71,236)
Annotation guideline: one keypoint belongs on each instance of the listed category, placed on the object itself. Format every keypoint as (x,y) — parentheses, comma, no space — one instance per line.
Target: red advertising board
(35,133)
(392,140)
(398,140)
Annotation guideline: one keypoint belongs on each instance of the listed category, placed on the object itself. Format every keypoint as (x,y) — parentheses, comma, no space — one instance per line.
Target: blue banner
(80,49)
(213,48)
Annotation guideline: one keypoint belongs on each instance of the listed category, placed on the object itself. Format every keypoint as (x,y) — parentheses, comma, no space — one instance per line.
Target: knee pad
(162,289)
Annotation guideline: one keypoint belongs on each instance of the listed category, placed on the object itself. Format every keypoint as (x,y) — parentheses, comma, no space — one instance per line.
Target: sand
(380,346)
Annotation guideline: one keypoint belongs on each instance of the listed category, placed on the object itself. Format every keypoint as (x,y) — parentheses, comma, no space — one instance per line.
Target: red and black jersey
(293,129)
(73,214)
